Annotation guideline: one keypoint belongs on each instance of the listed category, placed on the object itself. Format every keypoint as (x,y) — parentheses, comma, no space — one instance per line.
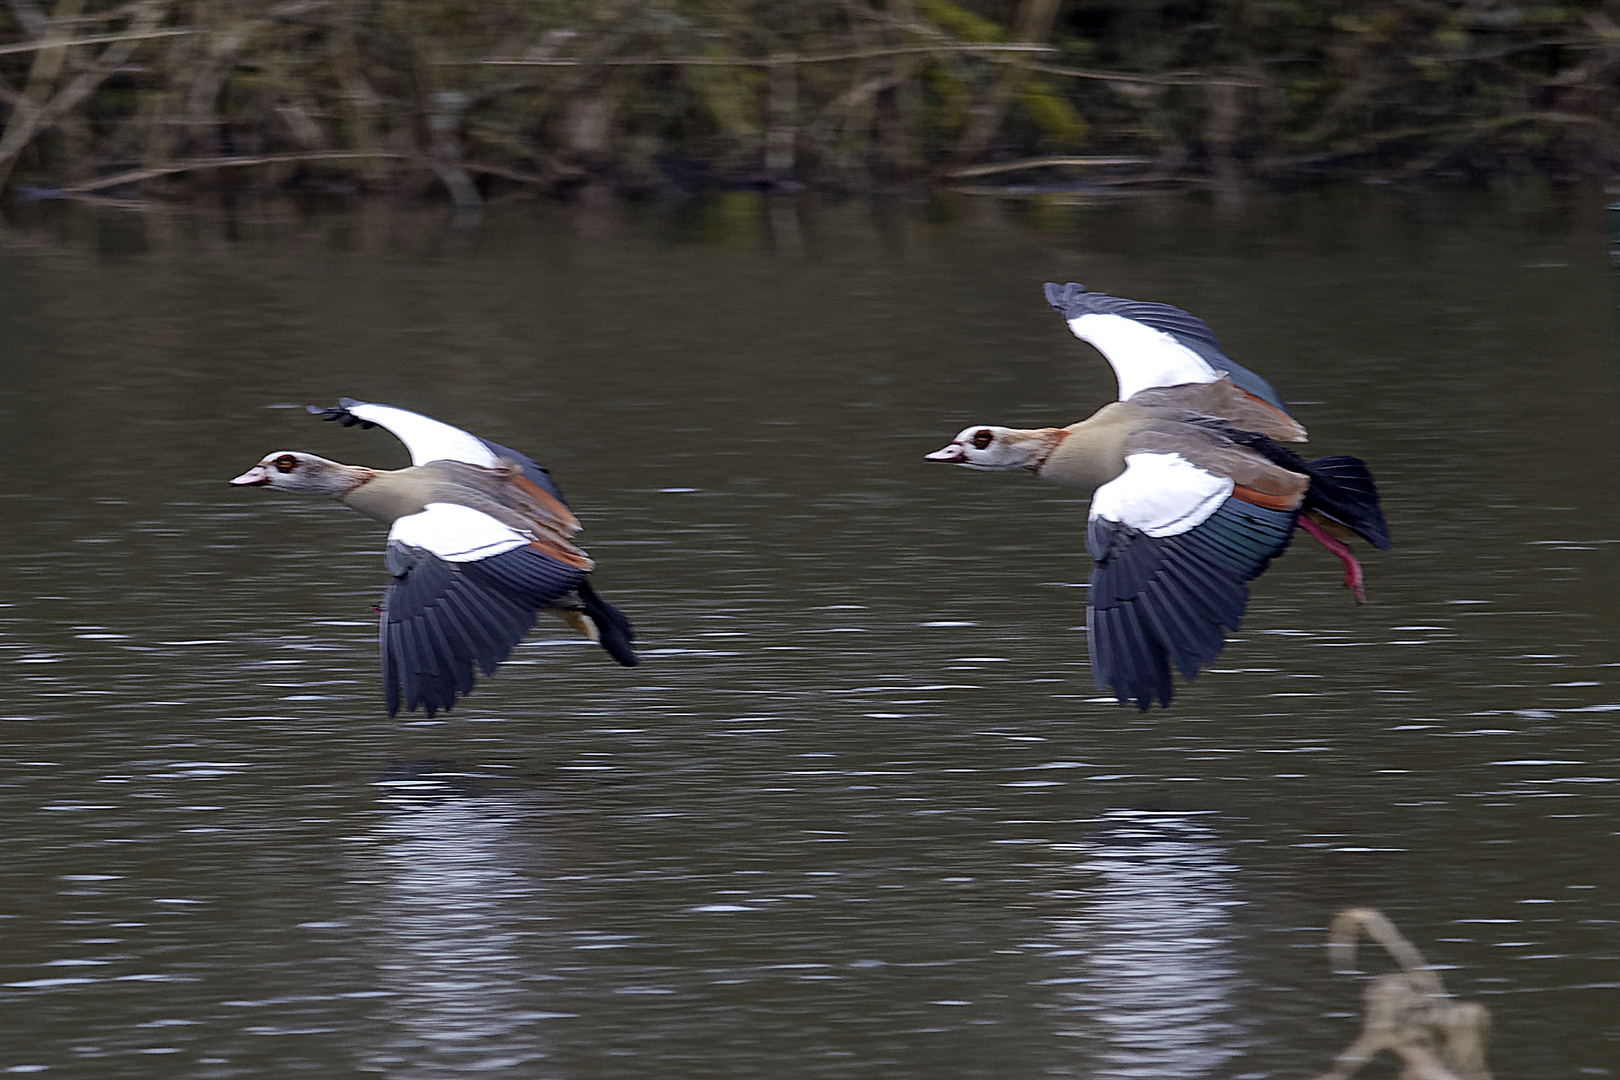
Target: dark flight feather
(1158,600)
(440,618)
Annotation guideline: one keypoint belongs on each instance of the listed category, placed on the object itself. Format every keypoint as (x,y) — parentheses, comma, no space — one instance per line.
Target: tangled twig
(1409,1012)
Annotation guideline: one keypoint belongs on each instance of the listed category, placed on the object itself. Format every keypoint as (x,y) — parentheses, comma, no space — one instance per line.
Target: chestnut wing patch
(533,472)
(1157,599)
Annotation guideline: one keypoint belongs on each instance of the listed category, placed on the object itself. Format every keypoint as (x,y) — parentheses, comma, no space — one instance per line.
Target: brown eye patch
(983,438)
(286,463)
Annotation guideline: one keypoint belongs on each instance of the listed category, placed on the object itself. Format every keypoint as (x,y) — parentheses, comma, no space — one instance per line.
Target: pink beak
(253,477)
(954,452)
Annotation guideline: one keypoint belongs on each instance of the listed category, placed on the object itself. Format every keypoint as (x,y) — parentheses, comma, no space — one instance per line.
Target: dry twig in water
(1409,1012)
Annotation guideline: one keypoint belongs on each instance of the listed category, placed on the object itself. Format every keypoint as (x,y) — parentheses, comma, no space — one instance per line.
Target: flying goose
(478,545)
(1194,492)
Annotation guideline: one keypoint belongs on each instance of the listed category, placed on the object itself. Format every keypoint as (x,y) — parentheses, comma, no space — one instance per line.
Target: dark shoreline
(464,103)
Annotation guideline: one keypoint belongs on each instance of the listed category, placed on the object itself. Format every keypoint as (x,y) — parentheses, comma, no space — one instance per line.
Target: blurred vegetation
(477,97)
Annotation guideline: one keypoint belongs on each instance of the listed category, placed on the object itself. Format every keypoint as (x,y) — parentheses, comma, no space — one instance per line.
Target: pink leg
(1352,569)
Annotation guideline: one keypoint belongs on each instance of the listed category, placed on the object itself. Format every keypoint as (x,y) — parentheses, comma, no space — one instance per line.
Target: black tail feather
(613,629)
(1342,489)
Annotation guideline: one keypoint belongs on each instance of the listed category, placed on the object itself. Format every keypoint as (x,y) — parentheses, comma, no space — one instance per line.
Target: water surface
(861,812)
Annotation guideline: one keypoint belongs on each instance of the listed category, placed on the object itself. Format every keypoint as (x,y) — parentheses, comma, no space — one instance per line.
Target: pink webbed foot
(1352,569)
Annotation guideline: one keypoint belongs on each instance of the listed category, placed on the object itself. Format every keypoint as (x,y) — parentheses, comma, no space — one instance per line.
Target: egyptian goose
(1194,493)
(478,545)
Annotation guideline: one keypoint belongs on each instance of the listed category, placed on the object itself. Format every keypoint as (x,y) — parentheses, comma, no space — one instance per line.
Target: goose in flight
(1193,490)
(478,545)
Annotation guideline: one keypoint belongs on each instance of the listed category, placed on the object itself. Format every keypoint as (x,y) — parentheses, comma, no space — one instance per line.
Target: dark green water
(860,813)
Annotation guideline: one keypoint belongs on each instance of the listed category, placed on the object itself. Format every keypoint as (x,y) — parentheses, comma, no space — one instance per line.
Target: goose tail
(1342,490)
(613,629)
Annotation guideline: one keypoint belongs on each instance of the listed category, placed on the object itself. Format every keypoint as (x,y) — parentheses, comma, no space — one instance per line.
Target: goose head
(999,449)
(307,474)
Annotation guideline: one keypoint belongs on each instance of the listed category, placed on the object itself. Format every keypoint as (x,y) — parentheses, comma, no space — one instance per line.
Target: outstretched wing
(466,588)
(1150,344)
(433,440)
(1174,550)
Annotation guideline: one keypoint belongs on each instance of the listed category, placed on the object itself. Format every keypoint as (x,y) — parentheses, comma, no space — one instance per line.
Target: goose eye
(286,463)
(983,438)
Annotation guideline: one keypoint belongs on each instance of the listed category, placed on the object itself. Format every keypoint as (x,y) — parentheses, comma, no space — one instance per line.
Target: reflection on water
(457,913)
(1152,964)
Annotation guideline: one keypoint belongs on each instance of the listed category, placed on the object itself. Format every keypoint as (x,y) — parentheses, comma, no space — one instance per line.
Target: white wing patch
(1161,495)
(1141,356)
(427,439)
(456,533)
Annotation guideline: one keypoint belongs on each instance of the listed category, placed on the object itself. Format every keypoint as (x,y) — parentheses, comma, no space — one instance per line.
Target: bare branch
(93,39)
(1043,163)
(759,61)
(136,175)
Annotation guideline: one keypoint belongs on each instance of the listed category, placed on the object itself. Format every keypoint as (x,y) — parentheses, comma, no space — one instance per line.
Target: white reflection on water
(453,926)
(1152,968)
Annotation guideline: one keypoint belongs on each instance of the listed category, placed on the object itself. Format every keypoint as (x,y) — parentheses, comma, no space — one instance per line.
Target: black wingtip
(1062,297)
(1143,698)
(1159,692)
(341,412)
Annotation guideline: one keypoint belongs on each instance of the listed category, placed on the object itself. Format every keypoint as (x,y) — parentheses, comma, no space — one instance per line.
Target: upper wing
(1173,550)
(432,440)
(1150,344)
(466,589)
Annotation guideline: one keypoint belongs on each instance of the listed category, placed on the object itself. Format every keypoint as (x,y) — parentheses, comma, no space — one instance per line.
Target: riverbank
(443,100)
